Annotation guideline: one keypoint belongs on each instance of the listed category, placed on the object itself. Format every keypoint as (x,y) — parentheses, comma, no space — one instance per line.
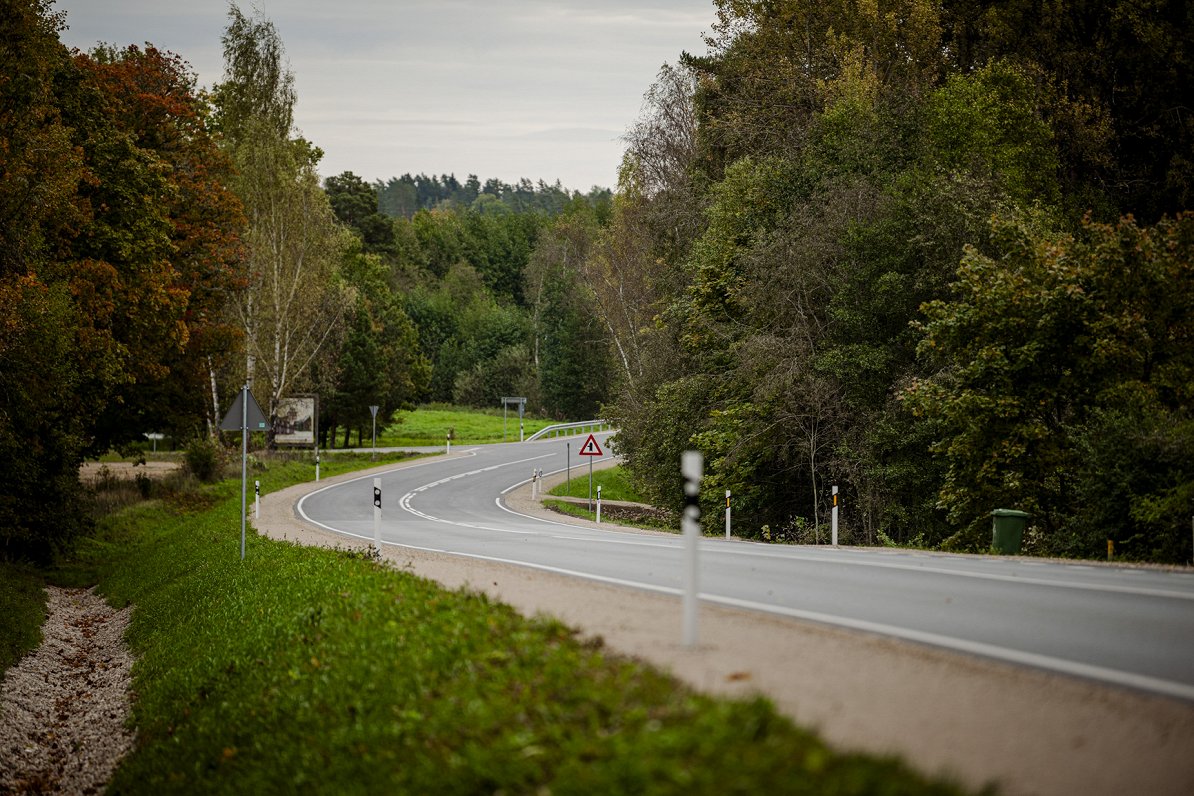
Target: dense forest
(933,253)
(162,244)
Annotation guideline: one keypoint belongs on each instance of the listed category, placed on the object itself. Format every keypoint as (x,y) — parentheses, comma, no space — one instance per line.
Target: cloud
(534,88)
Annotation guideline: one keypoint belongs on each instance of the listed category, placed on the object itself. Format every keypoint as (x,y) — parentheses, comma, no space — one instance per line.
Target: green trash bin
(1007,530)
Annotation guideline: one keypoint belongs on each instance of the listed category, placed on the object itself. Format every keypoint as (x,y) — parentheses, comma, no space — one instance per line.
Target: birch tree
(293,304)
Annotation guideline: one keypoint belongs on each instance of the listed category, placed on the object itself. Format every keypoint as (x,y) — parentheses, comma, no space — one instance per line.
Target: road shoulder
(975,720)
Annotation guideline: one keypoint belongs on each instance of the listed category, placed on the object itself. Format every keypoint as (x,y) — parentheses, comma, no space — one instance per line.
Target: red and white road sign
(590,448)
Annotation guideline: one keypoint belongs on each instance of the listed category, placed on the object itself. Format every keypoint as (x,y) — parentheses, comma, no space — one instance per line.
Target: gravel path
(62,717)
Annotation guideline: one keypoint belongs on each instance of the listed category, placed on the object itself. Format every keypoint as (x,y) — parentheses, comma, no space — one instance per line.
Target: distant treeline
(402,197)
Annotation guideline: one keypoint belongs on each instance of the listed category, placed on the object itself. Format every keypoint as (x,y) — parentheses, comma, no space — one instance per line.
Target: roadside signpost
(373,411)
(522,406)
(591,448)
(153,435)
(247,416)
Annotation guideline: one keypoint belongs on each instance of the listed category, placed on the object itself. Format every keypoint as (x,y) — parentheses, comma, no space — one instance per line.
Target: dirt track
(974,720)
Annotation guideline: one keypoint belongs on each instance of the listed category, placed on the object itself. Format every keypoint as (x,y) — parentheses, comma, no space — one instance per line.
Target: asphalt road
(1132,627)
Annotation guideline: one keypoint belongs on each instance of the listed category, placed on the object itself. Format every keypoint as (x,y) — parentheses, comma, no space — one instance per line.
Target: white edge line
(1044,662)
(716,547)
(1034,660)
(298,506)
(1047,662)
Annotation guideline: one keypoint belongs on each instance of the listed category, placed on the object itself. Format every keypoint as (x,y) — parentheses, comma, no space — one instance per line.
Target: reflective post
(833,517)
(692,466)
(377,514)
(727,514)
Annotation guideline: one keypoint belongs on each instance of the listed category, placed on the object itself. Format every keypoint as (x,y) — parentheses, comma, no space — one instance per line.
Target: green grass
(319,671)
(429,425)
(23,601)
(614,483)
(613,516)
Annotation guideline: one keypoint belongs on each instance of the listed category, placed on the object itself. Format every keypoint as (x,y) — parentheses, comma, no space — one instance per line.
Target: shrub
(204,458)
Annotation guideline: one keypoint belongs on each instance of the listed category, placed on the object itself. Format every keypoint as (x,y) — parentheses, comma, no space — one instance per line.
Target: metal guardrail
(571,429)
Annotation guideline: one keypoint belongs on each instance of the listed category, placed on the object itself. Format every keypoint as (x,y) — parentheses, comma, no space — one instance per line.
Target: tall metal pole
(373,411)
(244,456)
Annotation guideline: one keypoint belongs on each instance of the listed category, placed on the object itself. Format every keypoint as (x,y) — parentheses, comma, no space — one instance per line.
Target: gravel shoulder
(64,705)
(974,720)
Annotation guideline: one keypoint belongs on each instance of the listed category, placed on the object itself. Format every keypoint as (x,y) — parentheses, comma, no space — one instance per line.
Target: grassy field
(429,425)
(614,483)
(320,671)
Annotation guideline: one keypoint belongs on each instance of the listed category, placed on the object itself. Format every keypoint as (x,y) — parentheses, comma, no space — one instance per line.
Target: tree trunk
(213,422)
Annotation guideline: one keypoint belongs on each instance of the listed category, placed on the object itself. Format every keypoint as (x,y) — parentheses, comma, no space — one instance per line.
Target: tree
(292,305)
(117,235)
(1113,77)
(379,362)
(571,349)
(1055,346)
(189,220)
(355,204)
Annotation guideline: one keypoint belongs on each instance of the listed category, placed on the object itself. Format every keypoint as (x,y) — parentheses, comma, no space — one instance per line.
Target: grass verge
(429,425)
(23,597)
(631,517)
(614,483)
(311,670)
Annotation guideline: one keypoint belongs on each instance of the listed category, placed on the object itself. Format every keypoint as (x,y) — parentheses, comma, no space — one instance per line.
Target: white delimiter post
(256,500)
(377,513)
(692,466)
(727,514)
(599,504)
(833,517)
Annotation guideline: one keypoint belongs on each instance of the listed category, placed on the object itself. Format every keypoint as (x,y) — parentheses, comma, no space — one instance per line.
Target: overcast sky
(499,88)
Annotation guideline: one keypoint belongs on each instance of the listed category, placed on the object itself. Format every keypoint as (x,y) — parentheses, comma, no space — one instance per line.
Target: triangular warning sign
(590,448)
(255,419)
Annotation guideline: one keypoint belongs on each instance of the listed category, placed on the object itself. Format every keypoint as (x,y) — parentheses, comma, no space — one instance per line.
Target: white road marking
(1142,682)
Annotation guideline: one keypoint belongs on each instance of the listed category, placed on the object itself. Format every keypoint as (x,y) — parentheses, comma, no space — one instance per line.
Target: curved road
(1132,627)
